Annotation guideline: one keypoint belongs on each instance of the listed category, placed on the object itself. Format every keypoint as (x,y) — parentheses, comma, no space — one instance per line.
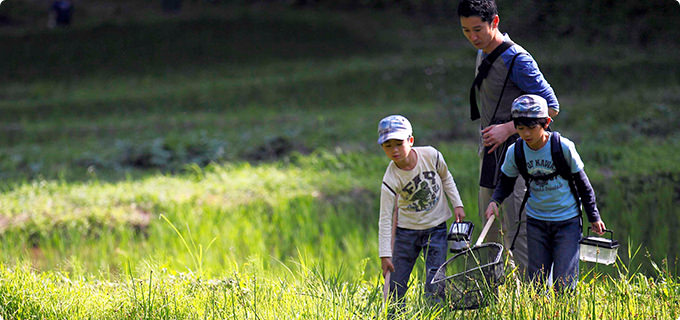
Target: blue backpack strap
(520,161)
(562,166)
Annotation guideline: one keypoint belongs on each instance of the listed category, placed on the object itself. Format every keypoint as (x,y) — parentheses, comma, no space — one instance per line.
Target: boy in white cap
(415,184)
(557,187)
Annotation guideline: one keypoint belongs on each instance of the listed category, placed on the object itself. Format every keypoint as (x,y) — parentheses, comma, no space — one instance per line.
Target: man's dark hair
(530,122)
(485,9)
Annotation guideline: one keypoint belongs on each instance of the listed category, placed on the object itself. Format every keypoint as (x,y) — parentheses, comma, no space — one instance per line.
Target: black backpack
(562,169)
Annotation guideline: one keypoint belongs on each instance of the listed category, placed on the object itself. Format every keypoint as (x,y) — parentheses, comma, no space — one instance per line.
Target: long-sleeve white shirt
(421,190)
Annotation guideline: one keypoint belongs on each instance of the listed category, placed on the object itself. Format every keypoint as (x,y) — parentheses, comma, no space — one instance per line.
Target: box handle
(611,233)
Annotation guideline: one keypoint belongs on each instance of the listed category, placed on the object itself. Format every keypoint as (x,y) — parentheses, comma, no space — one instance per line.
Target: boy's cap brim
(393,136)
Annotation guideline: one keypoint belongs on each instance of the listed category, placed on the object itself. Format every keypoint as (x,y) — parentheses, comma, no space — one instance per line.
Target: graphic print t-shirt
(550,200)
(421,191)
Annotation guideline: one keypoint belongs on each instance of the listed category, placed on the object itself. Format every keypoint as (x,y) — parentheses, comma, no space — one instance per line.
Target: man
(504,71)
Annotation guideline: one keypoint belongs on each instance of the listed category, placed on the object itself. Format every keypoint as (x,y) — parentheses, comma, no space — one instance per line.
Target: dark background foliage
(630,21)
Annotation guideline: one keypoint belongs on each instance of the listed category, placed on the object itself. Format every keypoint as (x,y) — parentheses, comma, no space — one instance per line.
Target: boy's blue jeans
(556,244)
(408,244)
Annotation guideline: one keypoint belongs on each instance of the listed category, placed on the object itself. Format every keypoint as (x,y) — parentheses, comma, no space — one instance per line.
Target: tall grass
(312,292)
(243,211)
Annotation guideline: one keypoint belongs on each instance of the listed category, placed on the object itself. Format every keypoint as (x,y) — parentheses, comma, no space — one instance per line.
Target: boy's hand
(598,227)
(494,135)
(386,264)
(491,209)
(459,213)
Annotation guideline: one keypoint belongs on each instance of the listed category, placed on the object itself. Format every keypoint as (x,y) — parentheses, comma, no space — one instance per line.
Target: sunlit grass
(310,291)
(247,211)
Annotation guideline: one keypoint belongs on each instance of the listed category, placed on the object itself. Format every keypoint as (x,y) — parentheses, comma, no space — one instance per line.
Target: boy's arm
(387,203)
(587,195)
(584,189)
(449,186)
(504,188)
(448,183)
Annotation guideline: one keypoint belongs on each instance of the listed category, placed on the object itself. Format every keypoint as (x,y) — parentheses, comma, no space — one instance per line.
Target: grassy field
(221,163)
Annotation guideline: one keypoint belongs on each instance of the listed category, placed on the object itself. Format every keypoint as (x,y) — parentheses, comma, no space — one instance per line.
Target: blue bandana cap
(529,106)
(394,127)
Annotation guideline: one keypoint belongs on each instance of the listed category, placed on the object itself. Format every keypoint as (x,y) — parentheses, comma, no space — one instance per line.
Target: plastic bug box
(599,249)
(459,236)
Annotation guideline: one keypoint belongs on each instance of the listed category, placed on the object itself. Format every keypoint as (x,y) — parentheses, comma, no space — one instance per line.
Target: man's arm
(528,77)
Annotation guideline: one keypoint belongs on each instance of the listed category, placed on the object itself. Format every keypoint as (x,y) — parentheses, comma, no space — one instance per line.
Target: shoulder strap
(505,83)
(521,163)
(482,72)
(485,66)
(561,165)
(520,159)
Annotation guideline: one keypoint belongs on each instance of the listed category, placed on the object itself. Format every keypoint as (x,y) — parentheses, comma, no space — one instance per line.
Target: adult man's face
(480,34)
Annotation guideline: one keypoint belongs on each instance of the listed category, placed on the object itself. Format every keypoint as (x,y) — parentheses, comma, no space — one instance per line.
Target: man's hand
(491,210)
(386,264)
(598,227)
(494,135)
(459,213)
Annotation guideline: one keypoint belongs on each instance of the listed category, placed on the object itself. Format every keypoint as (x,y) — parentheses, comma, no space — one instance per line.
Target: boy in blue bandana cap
(552,208)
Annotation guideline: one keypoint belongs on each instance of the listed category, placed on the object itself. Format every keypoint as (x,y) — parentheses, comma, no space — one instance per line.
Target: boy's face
(532,135)
(398,150)
(479,33)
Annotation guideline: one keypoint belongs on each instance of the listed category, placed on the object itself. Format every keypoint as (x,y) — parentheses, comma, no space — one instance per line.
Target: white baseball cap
(394,127)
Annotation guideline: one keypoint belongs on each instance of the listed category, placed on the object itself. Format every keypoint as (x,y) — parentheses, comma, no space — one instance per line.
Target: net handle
(487,226)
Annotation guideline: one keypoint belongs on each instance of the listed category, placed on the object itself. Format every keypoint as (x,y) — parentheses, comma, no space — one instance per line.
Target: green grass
(312,292)
(222,164)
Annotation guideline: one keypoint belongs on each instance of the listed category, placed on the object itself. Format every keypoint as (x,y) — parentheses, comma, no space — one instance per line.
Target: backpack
(562,169)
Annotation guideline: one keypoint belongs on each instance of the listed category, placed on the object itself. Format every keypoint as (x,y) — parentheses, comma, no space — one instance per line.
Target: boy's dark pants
(556,244)
(408,244)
